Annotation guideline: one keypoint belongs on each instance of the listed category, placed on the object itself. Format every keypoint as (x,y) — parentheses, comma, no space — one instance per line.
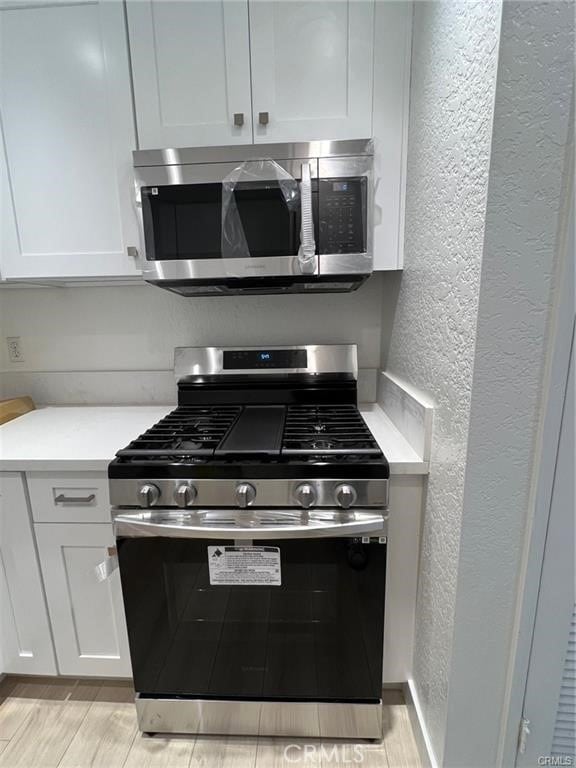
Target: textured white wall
(116,344)
(454,63)
(522,250)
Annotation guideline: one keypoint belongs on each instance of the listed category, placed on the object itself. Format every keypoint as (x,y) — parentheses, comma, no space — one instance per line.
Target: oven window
(316,636)
(184,221)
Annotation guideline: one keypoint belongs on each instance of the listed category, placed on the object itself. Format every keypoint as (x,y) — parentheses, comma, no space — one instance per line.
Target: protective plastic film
(268,181)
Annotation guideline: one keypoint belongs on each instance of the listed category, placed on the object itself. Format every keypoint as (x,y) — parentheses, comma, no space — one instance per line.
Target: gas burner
(164,459)
(189,445)
(321,445)
(203,424)
(187,460)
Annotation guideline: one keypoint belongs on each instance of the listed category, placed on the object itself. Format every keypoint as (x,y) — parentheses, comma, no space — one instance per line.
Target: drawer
(69,497)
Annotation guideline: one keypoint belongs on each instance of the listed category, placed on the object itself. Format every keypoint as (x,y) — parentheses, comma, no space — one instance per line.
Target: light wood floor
(47,722)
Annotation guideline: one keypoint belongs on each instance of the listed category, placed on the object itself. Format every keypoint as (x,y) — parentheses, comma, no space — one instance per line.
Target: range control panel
(342,213)
(251,359)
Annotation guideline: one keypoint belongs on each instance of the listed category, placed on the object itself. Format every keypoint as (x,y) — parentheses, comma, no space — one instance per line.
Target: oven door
(224,222)
(287,617)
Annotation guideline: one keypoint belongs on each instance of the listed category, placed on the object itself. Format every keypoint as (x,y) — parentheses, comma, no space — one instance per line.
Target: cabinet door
(191,71)
(311,69)
(25,640)
(9,239)
(87,615)
(393,31)
(66,112)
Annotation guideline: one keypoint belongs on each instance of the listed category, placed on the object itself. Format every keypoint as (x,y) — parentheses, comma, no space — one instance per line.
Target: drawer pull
(61,499)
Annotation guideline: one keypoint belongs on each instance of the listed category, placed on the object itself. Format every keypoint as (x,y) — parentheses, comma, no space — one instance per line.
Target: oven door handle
(252,525)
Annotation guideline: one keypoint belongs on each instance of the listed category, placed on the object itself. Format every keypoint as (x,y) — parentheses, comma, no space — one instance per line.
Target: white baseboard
(421,736)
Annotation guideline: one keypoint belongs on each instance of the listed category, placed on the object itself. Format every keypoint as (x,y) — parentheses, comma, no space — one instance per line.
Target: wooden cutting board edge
(15,406)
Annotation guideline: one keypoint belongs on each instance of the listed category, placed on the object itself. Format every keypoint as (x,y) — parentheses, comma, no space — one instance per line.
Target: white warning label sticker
(254,566)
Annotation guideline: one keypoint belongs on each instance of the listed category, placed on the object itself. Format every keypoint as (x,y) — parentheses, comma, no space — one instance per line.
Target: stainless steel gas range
(251,536)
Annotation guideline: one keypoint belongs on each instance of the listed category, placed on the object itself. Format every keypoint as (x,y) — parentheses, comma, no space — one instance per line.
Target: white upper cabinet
(9,249)
(286,70)
(66,112)
(191,72)
(393,33)
(311,69)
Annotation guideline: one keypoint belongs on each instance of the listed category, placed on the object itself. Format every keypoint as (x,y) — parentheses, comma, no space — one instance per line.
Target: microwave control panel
(342,214)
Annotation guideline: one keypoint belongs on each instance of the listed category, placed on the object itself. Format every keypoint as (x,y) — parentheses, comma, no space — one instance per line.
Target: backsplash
(115,344)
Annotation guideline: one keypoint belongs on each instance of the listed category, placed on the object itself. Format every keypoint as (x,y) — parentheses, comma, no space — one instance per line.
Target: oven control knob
(345,495)
(305,495)
(185,495)
(245,494)
(148,495)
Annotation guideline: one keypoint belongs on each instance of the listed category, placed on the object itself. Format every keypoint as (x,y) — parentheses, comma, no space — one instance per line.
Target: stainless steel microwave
(275,218)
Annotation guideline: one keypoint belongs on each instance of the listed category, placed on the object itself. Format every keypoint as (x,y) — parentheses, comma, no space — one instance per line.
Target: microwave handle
(307,250)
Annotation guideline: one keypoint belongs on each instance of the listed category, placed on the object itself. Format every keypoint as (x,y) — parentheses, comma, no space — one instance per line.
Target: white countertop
(85,438)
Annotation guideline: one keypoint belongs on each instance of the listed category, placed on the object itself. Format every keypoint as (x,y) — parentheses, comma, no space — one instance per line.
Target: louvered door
(549,703)
(564,737)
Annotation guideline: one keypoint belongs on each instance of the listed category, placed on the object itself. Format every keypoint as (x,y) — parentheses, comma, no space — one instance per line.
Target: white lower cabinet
(25,639)
(87,615)
(404,526)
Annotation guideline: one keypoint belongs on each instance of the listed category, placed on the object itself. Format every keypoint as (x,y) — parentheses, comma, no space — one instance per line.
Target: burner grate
(327,430)
(196,434)
(187,431)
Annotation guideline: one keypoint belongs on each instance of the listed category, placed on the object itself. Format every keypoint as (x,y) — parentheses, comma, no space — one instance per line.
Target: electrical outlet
(15,353)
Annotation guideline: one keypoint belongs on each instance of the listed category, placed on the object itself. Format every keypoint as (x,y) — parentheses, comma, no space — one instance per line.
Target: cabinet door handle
(238,119)
(132,251)
(61,499)
(263,118)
